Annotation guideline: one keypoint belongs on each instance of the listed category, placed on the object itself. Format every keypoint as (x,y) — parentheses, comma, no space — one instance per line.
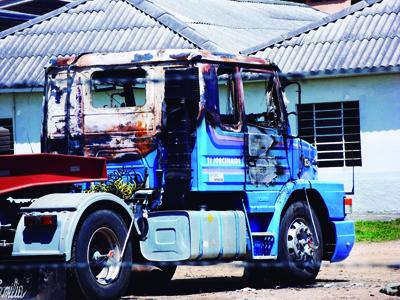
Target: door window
(118,88)
(262,99)
(228,98)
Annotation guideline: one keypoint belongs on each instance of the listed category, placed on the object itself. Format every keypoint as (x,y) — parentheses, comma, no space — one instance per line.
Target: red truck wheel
(97,268)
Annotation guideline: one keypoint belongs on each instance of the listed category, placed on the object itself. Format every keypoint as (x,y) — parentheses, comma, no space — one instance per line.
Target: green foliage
(123,183)
(118,187)
(377,231)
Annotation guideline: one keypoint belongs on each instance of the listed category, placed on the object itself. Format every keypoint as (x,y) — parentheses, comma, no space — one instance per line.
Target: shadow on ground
(193,286)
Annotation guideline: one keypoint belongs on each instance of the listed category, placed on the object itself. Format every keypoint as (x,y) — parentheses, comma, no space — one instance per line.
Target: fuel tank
(195,235)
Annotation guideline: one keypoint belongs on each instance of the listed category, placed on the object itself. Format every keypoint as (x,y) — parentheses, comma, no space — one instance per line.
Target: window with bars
(334,128)
(6,136)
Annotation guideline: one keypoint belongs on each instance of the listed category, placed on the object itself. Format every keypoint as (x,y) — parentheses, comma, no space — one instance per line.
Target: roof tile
(128,25)
(368,37)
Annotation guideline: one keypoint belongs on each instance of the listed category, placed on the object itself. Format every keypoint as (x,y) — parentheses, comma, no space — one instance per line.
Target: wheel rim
(103,255)
(300,241)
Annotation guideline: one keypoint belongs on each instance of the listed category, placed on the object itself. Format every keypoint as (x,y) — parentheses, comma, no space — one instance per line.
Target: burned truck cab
(198,163)
(182,120)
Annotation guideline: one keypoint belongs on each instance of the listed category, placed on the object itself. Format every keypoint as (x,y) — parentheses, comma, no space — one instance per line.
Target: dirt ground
(370,267)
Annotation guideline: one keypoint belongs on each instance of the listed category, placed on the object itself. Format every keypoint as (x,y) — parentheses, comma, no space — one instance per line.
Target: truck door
(267,162)
(220,139)
(62,129)
(121,120)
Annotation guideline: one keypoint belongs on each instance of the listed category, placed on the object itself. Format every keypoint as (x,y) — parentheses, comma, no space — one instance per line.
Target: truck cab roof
(160,57)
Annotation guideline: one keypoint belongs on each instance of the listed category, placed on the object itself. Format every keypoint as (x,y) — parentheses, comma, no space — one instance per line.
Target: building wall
(26,111)
(377,182)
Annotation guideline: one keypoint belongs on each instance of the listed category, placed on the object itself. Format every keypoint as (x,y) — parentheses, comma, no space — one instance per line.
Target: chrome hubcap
(300,241)
(103,255)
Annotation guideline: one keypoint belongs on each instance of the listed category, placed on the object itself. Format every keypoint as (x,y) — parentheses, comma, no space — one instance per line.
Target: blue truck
(202,167)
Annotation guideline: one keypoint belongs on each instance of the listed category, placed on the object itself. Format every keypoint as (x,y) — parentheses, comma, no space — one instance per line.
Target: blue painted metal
(345,238)
(220,161)
(330,193)
(261,201)
(144,166)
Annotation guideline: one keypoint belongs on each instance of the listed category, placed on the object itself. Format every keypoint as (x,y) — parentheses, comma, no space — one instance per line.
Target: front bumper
(345,238)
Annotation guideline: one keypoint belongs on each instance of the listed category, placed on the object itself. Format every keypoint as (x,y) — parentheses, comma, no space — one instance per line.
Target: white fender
(69,209)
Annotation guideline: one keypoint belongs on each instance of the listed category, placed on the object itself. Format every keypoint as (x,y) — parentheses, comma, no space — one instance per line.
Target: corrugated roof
(128,25)
(79,27)
(235,25)
(365,37)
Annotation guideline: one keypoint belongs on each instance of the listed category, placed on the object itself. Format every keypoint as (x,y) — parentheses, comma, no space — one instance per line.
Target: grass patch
(377,231)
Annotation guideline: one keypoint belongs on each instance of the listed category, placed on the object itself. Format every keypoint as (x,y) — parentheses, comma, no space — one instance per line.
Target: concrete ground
(369,268)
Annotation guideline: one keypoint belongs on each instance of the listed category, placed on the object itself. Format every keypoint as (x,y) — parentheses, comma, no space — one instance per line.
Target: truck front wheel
(97,267)
(300,244)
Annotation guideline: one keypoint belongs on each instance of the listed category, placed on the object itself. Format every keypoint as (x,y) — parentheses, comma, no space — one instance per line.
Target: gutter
(21,90)
(343,73)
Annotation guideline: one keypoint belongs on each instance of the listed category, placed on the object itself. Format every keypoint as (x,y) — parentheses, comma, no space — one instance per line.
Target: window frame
(147,106)
(276,98)
(319,123)
(237,99)
(8,123)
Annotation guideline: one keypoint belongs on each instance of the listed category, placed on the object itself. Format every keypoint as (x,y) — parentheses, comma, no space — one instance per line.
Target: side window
(262,99)
(228,97)
(118,88)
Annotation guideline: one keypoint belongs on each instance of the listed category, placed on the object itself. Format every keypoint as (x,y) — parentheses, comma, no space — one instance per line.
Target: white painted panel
(28,122)
(6,106)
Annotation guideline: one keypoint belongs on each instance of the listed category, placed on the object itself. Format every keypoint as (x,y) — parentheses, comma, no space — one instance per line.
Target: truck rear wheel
(97,268)
(300,246)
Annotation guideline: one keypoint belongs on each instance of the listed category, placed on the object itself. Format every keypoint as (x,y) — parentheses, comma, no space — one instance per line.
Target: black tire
(299,251)
(101,232)
(288,269)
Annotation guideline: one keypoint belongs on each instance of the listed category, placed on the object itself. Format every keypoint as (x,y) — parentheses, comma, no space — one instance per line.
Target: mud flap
(24,279)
